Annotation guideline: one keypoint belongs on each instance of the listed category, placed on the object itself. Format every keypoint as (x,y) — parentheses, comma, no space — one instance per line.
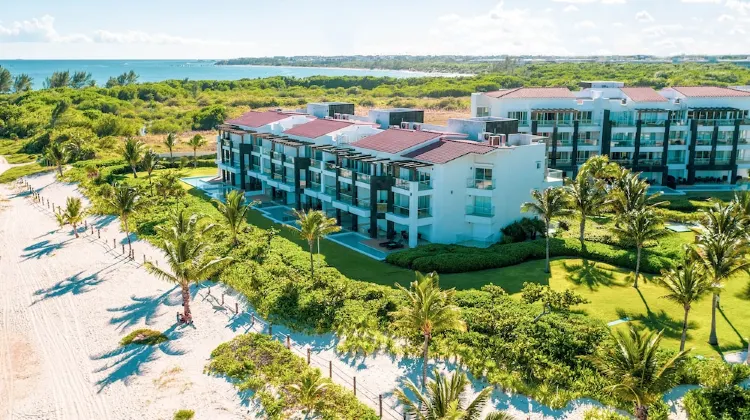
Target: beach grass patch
(13,174)
(184,415)
(145,337)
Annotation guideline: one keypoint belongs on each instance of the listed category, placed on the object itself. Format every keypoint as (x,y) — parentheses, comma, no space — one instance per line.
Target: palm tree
(599,167)
(57,154)
(631,194)
(187,255)
(132,152)
(632,365)
(741,202)
(445,398)
(149,163)
(314,225)
(686,284)
(724,219)
(722,256)
(310,390)
(22,83)
(197,141)
(60,218)
(552,202)
(74,213)
(124,201)
(429,310)
(5,80)
(587,195)
(170,142)
(233,209)
(639,226)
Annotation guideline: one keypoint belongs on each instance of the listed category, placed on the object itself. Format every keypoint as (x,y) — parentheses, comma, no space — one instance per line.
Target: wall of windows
(652,139)
(521,116)
(624,118)
(588,138)
(678,137)
(623,139)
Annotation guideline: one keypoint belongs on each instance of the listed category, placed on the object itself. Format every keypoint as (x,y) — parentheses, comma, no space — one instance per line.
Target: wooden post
(289,343)
(222,299)
(144,258)
(252,318)
(270,329)
(114,244)
(236,308)
(355,385)
(99,233)
(308,356)
(330,369)
(380,403)
(85,224)
(123,249)
(209,290)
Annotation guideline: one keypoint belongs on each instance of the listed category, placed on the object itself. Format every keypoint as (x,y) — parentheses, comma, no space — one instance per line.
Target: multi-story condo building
(679,135)
(389,175)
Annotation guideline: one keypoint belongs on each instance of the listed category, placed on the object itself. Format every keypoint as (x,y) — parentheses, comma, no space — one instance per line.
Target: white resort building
(675,136)
(387,177)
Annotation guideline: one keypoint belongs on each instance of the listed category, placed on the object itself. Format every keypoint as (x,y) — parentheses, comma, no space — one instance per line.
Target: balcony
(276,156)
(265,151)
(402,184)
(315,186)
(702,161)
(709,121)
(424,185)
(366,178)
(653,123)
(330,166)
(289,180)
(330,190)
(649,162)
(345,173)
(267,172)
(622,124)
(480,211)
(652,143)
(677,142)
(553,175)
(363,203)
(400,211)
(315,163)
(383,207)
(424,213)
(256,169)
(226,143)
(587,122)
(345,198)
(676,160)
(623,143)
(563,162)
(480,184)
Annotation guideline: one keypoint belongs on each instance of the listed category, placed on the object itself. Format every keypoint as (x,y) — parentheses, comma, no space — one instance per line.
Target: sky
(167,29)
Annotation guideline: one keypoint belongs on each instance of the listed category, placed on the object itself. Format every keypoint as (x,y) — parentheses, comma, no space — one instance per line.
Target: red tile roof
(710,92)
(643,94)
(317,128)
(257,119)
(444,151)
(533,93)
(395,140)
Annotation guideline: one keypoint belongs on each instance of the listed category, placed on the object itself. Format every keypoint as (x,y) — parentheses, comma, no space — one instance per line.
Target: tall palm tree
(132,152)
(196,142)
(149,163)
(429,310)
(314,225)
(722,255)
(57,154)
(5,80)
(233,209)
(685,284)
(552,202)
(587,195)
(632,365)
(631,194)
(741,202)
(22,83)
(445,398)
(639,226)
(724,219)
(599,167)
(124,201)
(310,390)
(74,213)
(186,252)
(170,142)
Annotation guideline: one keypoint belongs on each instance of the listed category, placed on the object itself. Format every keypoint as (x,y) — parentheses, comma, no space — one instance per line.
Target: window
(585,117)
(677,137)
(483,111)
(483,204)
(588,138)
(622,118)
(423,206)
(483,173)
(521,116)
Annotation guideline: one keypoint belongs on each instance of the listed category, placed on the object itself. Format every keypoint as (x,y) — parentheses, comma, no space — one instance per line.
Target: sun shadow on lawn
(143,308)
(125,363)
(742,339)
(656,321)
(588,274)
(744,294)
(42,249)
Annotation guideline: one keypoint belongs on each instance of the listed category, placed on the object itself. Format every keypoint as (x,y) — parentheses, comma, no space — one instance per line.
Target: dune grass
(144,336)
(13,174)
(184,415)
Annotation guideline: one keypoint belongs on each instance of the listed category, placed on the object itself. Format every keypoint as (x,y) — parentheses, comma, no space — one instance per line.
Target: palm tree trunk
(127,232)
(546,267)
(59,169)
(583,229)
(712,338)
(75,229)
(684,329)
(195,158)
(425,347)
(747,357)
(186,303)
(171,158)
(312,262)
(135,174)
(637,266)
(641,412)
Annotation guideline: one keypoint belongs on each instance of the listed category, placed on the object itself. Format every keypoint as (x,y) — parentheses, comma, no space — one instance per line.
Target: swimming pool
(353,240)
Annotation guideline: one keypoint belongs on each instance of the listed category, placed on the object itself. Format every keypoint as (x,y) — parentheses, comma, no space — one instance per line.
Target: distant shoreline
(430,73)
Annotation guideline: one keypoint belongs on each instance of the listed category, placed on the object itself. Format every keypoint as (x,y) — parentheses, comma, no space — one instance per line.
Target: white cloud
(138,37)
(644,17)
(570,8)
(595,40)
(37,30)
(614,1)
(585,24)
(738,6)
(701,1)
(725,18)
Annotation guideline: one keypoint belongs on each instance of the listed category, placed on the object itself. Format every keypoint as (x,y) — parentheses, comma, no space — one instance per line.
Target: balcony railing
(289,159)
(702,161)
(652,124)
(363,203)
(402,184)
(382,207)
(345,173)
(623,123)
(226,143)
(652,143)
(267,171)
(330,190)
(289,180)
(345,198)
(589,142)
(622,161)
(649,162)
(554,175)
(315,186)
(587,122)
(703,142)
(265,151)
(315,163)
(276,155)
(330,166)
(480,184)
(708,121)
(366,178)
(256,168)
(623,143)
(480,211)
(401,211)
(677,142)
(278,177)
(563,162)
(424,213)
(424,185)
(676,160)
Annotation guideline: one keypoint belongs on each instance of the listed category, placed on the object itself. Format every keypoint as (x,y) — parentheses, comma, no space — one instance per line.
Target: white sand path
(68,302)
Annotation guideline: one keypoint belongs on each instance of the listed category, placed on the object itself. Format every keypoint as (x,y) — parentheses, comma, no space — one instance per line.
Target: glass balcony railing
(588,142)
(649,162)
(703,142)
(315,186)
(330,166)
(623,143)
(677,142)
(366,178)
(401,211)
(401,184)
(315,163)
(621,161)
(267,171)
(708,121)
(289,180)
(345,198)
(652,124)
(652,143)
(480,184)
(345,173)
(564,143)
(278,177)
(676,159)
(424,185)
(722,161)
(702,161)
(480,211)
(276,155)
(424,213)
(563,162)
(330,190)
(265,151)
(363,203)
(382,207)
(256,169)
(289,159)
(623,123)
(587,122)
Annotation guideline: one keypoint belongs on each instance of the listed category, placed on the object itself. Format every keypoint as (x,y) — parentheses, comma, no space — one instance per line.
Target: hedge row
(460,259)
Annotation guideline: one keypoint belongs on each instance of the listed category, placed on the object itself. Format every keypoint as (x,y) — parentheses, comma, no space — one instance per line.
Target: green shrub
(184,415)
(459,259)
(14,173)
(602,414)
(144,336)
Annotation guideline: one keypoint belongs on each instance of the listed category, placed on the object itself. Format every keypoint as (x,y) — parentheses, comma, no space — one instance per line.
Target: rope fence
(327,367)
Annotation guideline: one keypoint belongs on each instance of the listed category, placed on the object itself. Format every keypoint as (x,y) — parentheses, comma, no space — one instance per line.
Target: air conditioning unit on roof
(405,125)
(486,135)
(418,127)
(624,101)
